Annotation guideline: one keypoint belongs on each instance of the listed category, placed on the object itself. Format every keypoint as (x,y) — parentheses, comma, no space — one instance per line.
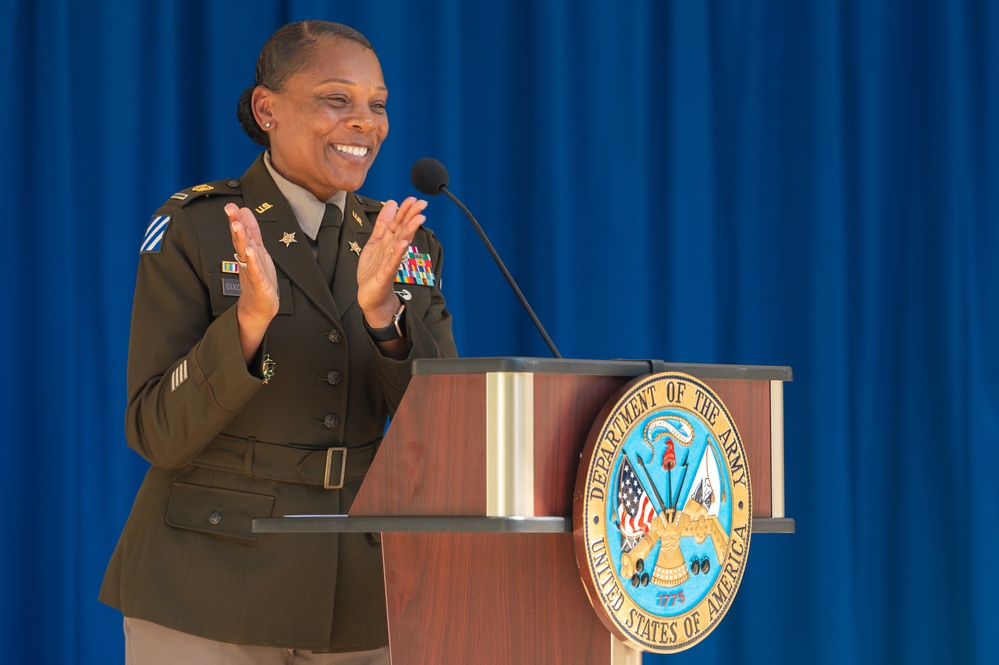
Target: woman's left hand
(379,262)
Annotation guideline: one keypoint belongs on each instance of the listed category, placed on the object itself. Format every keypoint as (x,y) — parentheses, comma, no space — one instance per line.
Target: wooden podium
(472,491)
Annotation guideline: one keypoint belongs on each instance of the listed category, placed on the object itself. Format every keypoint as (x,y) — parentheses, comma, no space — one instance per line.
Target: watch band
(391,331)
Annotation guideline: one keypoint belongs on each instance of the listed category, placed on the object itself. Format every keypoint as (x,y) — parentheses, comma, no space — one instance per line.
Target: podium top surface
(597,367)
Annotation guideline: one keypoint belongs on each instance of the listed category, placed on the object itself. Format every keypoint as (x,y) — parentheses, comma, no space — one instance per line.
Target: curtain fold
(775,183)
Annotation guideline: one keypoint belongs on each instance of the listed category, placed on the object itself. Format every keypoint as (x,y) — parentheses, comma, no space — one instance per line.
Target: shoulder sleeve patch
(153,239)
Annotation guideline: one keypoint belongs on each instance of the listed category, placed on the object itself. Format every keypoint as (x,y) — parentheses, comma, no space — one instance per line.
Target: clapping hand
(379,262)
(258,299)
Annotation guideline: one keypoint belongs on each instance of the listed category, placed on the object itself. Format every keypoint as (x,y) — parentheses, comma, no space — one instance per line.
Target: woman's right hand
(258,298)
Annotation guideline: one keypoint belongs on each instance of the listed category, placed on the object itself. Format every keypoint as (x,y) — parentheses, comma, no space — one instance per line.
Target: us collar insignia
(354,247)
(357,218)
(416,268)
(288,238)
(263,207)
(230,267)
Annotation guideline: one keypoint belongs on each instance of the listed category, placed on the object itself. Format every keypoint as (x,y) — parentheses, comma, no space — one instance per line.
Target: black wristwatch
(391,331)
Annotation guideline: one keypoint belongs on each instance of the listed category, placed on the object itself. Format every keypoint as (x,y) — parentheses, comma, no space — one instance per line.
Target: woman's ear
(262,102)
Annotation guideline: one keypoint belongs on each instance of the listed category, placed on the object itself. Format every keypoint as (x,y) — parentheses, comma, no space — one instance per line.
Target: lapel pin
(354,247)
(288,238)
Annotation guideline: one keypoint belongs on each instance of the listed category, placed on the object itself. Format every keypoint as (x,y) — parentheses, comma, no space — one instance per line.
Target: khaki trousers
(148,643)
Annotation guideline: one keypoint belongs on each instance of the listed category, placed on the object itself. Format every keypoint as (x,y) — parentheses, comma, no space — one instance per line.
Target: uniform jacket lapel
(354,234)
(295,259)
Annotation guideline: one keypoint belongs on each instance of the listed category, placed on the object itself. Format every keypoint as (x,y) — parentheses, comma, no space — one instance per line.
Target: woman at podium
(275,320)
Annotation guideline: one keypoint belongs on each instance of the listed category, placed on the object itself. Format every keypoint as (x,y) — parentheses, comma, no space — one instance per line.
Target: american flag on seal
(634,509)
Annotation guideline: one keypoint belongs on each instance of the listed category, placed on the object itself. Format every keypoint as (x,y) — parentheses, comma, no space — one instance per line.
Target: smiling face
(328,120)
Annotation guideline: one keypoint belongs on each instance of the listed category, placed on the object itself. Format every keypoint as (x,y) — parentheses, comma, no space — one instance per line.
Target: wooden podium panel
(490,599)
(432,461)
(570,402)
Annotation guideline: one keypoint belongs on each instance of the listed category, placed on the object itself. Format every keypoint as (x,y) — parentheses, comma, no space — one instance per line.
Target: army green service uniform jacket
(225,447)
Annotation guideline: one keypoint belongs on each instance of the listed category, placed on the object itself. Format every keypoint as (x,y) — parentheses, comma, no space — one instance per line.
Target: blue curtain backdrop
(812,183)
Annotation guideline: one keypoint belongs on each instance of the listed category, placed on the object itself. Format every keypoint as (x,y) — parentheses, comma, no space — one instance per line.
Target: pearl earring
(267,124)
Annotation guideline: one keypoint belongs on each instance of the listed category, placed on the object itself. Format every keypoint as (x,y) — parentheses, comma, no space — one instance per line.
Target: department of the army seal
(662,512)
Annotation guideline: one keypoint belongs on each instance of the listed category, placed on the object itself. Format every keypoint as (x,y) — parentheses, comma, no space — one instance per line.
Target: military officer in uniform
(275,320)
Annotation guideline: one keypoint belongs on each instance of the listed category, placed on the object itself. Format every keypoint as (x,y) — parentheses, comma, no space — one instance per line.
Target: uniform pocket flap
(216,510)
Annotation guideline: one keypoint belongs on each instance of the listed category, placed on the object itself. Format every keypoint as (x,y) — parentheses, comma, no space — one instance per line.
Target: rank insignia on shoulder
(153,239)
(416,268)
(180,196)
(202,188)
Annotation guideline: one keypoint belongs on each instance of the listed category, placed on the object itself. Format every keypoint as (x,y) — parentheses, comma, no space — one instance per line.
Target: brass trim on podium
(777,449)
(622,654)
(509,444)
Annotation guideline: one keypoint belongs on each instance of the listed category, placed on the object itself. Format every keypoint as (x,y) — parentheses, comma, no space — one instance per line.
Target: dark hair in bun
(287,51)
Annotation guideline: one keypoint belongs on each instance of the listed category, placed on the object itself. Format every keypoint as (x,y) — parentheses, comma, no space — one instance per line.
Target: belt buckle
(343,468)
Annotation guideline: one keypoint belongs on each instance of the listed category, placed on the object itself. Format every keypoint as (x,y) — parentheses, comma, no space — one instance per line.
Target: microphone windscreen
(429,176)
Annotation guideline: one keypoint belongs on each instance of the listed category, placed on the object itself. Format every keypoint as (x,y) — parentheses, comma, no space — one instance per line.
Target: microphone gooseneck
(430,177)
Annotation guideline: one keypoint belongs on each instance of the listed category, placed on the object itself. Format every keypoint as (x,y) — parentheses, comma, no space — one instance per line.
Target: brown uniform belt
(327,467)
